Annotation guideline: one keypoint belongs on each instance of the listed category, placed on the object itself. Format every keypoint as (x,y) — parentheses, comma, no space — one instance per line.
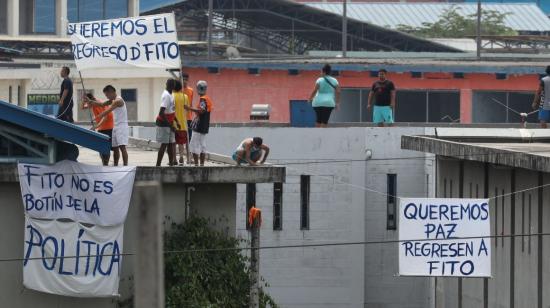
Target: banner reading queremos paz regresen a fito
(136,42)
(444,237)
(74,222)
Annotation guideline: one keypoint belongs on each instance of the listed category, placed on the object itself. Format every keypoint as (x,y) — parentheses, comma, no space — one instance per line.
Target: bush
(218,278)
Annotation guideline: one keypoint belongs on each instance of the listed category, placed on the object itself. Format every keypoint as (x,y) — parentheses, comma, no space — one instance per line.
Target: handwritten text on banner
(430,232)
(82,193)
(144,42)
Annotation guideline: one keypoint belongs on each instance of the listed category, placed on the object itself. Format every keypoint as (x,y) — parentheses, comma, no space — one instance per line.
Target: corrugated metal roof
(522,16)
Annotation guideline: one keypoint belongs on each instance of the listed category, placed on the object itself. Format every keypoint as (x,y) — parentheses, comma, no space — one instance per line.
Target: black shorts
(323,114)
(108,132)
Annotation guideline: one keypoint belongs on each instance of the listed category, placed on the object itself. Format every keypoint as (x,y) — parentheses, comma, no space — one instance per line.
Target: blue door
(301,114)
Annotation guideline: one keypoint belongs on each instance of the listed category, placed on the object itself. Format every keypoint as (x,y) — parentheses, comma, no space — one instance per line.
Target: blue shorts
(382,114)
(254,156)
(544,115)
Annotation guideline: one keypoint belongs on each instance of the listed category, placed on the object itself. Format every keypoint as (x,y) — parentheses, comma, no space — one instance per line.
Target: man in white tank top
(542,99)
(120,129)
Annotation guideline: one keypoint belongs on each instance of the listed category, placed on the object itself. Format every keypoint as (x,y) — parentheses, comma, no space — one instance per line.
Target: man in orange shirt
(201,124)
(105,125)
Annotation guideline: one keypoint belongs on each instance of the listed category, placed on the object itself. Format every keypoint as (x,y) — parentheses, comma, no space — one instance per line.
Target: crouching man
(250,152)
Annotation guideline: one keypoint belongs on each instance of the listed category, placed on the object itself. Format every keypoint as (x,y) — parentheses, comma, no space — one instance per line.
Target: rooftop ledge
(143,154)
(518,148)
(188,174)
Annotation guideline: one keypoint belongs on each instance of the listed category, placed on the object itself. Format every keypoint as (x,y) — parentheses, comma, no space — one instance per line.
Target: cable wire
(222,249)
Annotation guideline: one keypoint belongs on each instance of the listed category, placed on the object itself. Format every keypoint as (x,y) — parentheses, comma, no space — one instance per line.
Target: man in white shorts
(201,124)
(120,129)
(166,133)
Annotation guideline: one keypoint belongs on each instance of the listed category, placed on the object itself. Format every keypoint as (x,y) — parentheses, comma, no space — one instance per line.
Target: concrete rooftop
(216,170)
(521,148)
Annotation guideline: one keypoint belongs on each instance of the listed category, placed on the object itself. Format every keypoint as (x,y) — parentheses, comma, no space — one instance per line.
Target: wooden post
(255,261)
(149,266)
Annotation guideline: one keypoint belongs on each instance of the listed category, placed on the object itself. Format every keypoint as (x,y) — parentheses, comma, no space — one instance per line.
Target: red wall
(234,90)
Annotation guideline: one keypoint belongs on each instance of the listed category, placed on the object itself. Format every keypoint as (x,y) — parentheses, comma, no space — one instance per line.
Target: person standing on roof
(120,128)
(65,111)
(325,96)
(542,99)
(187,90)
(383,92)
(103,126)
(180,100)
(250,151)
(201,124)
(166,130)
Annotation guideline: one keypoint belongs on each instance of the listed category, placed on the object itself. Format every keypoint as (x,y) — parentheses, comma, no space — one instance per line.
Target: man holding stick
(103,126)
(120,129)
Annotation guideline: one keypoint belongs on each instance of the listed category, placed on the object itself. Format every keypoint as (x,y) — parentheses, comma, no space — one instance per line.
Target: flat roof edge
(187,175)
(471,152)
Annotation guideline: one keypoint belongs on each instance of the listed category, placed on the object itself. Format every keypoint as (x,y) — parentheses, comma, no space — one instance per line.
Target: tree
(217,278)
(452,24)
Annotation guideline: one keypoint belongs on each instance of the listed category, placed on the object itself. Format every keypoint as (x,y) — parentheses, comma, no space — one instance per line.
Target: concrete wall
(341,210)
(5,86)
(515,262)
(234,90)
(216,202)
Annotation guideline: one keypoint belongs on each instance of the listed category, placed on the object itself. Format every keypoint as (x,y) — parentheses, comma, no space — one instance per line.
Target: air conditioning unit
(260,112)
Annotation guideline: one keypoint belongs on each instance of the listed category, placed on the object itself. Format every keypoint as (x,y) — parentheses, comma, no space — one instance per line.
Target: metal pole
(187,154)
(345,29)
(210,16)
(84,93)
(478,31)
(149,262)
(255,263)
(292,40)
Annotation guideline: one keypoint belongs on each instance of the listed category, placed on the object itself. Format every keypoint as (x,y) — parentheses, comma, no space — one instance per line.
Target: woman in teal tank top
(325,97)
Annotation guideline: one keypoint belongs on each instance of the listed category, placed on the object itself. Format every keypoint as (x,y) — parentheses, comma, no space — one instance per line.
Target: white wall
(5,91)
(341,276)
(414,179)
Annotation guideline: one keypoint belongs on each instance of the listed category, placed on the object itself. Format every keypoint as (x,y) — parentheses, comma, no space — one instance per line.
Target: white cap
(201,86)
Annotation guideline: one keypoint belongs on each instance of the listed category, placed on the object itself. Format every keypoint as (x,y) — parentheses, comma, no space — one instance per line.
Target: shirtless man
(117,106)
(250,151)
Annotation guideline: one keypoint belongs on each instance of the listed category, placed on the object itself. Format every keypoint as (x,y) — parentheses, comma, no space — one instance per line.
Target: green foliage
(206,279)
(452,24)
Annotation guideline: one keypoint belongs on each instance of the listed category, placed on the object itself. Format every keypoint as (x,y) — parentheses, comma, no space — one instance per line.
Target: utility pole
(345,29)
(149,266)
(255,218)
(210,16)
(478,31)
